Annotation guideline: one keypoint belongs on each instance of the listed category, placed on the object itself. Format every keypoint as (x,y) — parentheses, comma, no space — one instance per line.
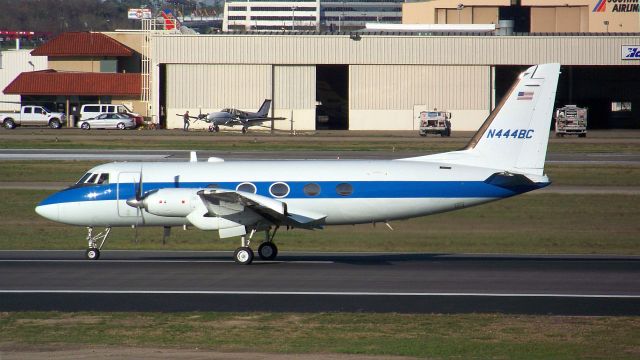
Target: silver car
(108,121)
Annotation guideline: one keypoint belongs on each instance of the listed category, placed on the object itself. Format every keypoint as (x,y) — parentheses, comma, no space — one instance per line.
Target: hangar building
(362,81)
(383,81)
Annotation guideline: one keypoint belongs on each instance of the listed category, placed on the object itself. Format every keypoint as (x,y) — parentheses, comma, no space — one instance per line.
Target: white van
(89,111)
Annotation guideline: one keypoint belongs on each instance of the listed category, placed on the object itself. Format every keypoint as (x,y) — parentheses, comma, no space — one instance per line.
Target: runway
(310,282)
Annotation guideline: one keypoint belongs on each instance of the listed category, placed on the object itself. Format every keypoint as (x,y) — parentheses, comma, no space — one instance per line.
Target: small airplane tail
(264,109)
(514,137)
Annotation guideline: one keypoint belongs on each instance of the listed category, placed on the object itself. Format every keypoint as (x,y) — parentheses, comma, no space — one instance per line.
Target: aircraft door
(127,184)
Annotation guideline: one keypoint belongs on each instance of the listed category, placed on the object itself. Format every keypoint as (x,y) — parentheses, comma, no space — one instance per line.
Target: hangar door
(332,90)
(611,101)
(206,88)
(294,96)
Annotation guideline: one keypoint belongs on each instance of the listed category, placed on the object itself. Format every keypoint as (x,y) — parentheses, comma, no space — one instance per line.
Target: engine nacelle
(171,202)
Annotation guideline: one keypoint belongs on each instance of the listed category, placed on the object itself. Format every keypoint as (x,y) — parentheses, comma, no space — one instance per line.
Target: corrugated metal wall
(295,87)
(217,86)
(388,87)
(12,63)
(433,50)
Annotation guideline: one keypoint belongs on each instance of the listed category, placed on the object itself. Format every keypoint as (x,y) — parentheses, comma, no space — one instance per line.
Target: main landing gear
(93,252)
(266,251)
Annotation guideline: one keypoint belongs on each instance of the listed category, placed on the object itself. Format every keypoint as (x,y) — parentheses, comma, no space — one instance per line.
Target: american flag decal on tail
(525,95)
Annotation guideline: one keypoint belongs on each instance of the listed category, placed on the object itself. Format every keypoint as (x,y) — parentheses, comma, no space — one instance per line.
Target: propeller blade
(139,188)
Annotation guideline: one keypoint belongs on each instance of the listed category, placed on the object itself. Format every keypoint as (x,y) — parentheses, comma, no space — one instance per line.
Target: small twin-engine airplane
(239,198)
(232,117)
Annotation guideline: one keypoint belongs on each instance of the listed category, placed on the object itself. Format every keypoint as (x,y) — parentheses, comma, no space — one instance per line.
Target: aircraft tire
(267,251)
(216,128)
(212,128)
(92,254)
(244,129)
(243,255)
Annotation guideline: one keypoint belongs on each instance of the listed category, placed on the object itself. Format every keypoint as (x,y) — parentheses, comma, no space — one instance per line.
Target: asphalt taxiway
(305,282)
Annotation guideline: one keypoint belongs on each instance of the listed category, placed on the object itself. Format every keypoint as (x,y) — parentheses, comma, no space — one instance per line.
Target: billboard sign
(138,14)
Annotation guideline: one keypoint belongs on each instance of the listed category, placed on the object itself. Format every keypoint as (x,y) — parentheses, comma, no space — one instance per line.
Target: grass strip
(470,336)
(263,142)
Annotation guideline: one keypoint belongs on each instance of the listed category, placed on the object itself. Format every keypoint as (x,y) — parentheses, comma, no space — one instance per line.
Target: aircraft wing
(223,202)
(258,120)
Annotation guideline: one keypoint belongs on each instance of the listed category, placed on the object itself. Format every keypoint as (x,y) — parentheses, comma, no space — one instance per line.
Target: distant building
(311,15)
(82,68)
(530,16)
(12,63)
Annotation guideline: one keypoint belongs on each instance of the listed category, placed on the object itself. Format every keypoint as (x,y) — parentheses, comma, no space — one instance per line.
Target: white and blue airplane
(239,198)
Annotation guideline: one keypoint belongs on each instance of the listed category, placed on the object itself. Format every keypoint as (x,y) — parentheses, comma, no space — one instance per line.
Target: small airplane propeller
(137,202)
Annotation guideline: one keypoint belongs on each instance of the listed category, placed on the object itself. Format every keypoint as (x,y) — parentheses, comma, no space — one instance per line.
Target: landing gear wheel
(212,128)
(243,255)
(267,251)
(244,129)
(92,254)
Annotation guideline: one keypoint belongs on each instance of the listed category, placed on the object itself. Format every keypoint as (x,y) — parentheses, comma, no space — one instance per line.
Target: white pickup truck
(32,115)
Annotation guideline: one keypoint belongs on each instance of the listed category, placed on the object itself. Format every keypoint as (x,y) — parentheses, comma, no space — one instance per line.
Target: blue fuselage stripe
(361,189)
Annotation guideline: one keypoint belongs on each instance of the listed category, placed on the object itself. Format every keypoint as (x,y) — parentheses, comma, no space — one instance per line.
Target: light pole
(293,18)
(460,7)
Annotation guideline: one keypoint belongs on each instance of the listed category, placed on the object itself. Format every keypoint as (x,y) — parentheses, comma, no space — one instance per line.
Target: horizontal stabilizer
(517,183)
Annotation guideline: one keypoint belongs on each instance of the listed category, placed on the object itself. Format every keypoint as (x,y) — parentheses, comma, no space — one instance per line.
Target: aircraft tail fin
(264,109)
(515,135)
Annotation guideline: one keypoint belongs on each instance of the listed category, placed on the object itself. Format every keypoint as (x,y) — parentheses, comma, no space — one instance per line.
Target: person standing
(185,117)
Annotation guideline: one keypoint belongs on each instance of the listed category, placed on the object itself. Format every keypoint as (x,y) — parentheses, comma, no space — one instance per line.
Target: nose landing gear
(93,252)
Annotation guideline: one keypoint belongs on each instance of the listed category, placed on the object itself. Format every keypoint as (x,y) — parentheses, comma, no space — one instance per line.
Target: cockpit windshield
(93,178)
(83,178)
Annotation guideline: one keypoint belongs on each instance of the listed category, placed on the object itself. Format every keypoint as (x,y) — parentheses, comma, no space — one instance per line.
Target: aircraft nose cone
(50,211)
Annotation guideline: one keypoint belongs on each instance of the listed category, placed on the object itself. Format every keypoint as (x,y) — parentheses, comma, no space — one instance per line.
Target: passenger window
(37,110)
(83,178)
(27,110)
(344,189)
(111,109)
(246,187)
(103,179)
(312,189)
(92,179)
(279,189)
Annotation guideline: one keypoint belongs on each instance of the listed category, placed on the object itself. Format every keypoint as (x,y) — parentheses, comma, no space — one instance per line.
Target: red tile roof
(82,44)
(51,82)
